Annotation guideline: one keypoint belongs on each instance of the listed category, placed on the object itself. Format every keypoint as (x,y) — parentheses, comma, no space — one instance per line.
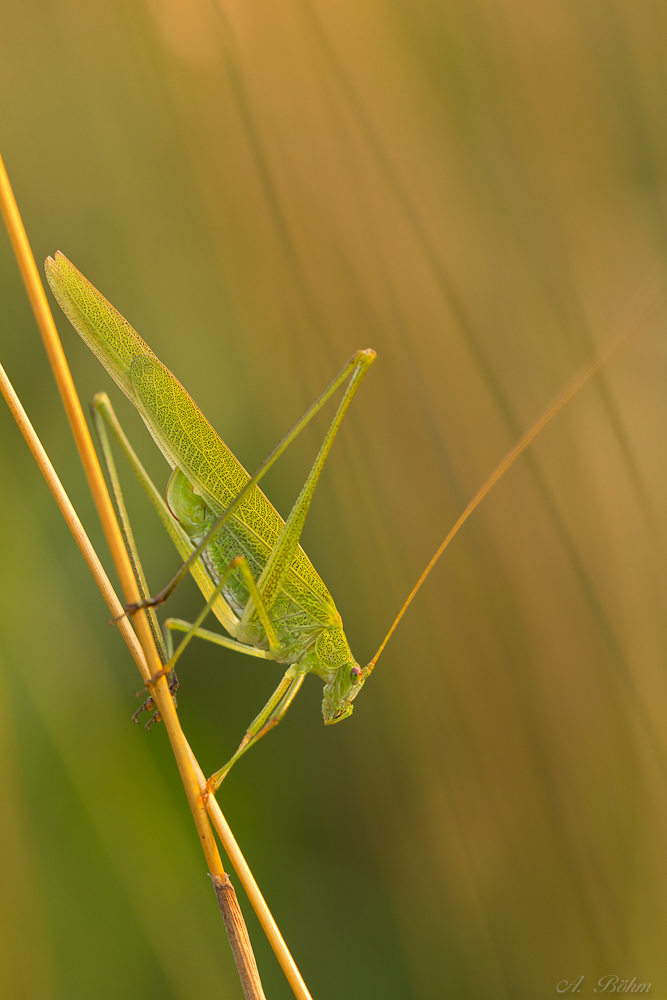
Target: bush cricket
(246,560)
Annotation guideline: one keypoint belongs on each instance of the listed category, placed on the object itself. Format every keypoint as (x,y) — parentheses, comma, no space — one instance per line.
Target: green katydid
(253,572)
(246,560)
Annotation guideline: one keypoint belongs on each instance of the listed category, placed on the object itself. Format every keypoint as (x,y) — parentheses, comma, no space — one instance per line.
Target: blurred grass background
(476,190)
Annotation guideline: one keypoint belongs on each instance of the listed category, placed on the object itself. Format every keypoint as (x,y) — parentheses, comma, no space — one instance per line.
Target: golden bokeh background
(477,190)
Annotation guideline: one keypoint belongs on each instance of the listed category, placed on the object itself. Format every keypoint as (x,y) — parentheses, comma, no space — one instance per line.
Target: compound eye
(355,674)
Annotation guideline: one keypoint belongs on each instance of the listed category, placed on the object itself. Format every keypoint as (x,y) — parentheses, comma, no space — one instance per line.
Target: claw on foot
(149,704)
(214,783)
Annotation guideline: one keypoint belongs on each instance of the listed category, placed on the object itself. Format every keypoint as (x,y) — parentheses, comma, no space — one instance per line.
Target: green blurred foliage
(476,190)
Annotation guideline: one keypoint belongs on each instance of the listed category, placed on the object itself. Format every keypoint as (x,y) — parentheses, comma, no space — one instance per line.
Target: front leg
(268,718)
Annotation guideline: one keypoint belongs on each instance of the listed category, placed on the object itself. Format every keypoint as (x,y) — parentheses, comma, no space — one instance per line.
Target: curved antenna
(557,404)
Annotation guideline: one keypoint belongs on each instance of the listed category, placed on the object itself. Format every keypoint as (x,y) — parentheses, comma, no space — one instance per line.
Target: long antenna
(558,403)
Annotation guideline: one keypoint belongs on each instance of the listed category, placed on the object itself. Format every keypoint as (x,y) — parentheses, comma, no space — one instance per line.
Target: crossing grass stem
(139,639)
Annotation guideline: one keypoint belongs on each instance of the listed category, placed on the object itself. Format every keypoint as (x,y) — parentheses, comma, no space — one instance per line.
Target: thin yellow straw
(149,662)
(72,521)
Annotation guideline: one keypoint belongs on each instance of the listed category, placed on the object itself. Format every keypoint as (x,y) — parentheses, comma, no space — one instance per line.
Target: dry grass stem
(237,932)
(104,506)
(269,926)
(141,645)
(231,913)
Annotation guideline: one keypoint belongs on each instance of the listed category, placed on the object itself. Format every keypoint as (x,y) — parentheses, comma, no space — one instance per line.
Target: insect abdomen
(299,614)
